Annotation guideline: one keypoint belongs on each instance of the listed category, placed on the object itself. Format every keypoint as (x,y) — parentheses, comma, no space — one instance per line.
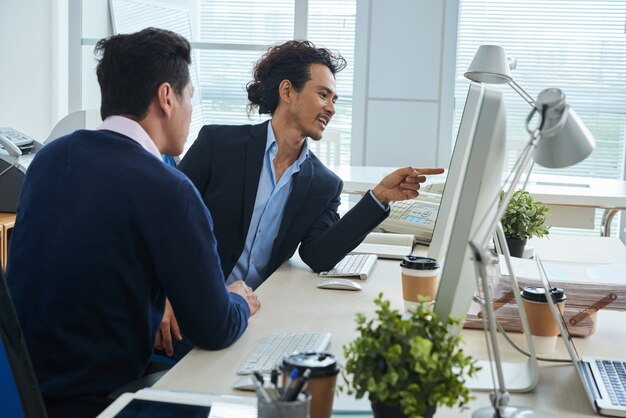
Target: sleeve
(196,163)
(329,239)
(190,271)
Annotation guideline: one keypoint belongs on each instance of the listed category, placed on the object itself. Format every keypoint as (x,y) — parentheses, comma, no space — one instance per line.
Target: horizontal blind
(130,16)
(238,27)
(332,24)
(578,46)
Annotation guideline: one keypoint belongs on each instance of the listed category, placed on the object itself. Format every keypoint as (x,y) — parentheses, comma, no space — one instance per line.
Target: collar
(128,127)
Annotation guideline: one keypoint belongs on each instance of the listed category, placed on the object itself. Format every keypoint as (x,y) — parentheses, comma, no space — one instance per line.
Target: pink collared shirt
(131,129)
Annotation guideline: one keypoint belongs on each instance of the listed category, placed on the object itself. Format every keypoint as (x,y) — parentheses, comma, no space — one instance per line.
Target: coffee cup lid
(419,263)
(538,294)
(320,364)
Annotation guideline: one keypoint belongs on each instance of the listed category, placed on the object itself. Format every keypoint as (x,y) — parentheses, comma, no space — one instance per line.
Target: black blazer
(225,165)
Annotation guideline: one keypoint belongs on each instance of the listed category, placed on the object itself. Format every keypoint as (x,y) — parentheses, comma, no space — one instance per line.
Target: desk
(580,195)
(292,303)
(7,222)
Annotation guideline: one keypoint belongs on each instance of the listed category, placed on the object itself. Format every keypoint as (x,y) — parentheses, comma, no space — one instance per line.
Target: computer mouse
(245,383)
(339,284)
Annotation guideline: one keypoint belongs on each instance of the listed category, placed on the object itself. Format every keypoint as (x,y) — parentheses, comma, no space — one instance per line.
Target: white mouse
(340,284)
(244,383)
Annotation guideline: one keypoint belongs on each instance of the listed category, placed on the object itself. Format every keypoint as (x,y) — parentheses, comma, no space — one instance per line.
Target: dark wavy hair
(133,66)
(288,61)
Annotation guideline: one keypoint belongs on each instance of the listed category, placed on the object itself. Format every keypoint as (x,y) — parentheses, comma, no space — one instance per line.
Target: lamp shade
(490,65)
(565,140)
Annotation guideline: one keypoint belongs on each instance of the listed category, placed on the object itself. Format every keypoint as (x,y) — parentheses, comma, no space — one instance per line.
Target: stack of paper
(588,287)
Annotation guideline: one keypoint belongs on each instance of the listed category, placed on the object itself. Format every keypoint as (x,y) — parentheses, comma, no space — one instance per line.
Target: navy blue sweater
(104,231)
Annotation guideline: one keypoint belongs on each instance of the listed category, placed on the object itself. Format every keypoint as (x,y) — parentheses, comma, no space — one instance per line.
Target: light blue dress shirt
(269,206)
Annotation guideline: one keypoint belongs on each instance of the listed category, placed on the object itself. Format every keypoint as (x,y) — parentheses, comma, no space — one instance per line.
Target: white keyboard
(271,350)
(354,266)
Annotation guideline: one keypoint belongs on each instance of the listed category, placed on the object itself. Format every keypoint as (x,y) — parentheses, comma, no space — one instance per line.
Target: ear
(164,99)
(285,91)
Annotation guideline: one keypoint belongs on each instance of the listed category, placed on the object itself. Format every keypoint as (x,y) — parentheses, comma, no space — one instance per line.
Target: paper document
(614,273)
(386,245)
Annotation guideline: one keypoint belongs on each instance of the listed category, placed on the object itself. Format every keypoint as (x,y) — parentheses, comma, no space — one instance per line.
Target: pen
(295,390)
(260,389)
(271,392)
(274,377)
(290,381)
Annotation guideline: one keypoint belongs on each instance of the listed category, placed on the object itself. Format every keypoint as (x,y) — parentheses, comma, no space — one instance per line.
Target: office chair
(20,395)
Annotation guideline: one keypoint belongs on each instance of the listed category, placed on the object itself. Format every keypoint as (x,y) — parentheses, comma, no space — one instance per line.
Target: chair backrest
(328,149)
(20,395)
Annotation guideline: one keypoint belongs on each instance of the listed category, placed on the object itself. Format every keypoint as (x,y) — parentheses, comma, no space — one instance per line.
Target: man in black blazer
(267,193)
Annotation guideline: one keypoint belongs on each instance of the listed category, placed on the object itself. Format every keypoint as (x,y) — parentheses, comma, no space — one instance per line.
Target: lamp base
(519,377)
(512,411)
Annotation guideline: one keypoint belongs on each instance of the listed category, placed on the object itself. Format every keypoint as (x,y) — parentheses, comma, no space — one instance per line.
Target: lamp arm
(500,396)
(519,90)
(526,157)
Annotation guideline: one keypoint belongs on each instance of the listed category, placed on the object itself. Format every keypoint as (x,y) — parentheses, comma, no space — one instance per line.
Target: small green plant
(411,360)
(524,217)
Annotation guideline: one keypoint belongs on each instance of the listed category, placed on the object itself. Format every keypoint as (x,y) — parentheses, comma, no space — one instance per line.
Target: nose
(330,108)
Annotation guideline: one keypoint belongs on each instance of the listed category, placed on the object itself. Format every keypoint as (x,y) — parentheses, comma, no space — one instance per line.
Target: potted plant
(407,363)
(524,218)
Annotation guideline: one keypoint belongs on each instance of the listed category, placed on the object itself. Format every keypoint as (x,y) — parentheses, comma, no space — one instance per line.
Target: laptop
(604,379)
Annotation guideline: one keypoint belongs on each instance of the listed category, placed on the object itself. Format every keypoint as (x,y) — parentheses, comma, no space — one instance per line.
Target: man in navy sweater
(106,230)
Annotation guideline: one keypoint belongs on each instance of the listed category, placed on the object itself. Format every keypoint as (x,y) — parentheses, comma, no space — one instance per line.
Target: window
(234,34)
(229,36)
(578,46)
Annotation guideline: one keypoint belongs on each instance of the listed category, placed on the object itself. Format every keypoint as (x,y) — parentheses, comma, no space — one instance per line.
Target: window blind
(229,37)
(332,24)
(578,46)
(238,33)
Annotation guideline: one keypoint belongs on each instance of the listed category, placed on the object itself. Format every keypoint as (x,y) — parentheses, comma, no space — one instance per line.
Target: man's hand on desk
(402,184)
(169,328)
(245,291)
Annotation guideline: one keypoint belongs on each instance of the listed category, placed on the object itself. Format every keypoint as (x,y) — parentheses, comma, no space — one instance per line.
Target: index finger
(429,171)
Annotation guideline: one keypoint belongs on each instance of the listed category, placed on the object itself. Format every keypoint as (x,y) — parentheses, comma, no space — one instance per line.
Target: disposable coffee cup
(322,380)
(419,278)
(543,327)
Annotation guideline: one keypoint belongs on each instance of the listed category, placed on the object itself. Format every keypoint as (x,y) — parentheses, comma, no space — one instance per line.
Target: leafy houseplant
(407,362)
(524,218)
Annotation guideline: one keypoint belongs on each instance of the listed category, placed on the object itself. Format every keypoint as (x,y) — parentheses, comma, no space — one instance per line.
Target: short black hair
(133,66)
(288,61)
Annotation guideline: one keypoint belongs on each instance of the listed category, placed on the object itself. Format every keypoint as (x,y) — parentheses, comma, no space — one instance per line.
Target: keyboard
(354,266)
(614,377)
(271,350)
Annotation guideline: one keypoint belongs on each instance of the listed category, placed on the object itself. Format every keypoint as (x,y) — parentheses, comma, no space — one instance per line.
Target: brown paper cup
(542,325)
(418,283)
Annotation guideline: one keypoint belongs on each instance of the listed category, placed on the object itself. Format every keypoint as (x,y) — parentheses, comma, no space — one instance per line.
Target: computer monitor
(456,173)
(477,203)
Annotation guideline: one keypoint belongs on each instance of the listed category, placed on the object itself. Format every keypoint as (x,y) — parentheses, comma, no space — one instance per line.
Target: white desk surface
(291,302)
(550,189)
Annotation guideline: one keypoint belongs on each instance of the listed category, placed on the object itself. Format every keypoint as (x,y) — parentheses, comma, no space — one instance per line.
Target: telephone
(14,142)
(415,216)
(16,153)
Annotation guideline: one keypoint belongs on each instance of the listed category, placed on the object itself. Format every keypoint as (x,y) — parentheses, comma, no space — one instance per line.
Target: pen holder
(283,409)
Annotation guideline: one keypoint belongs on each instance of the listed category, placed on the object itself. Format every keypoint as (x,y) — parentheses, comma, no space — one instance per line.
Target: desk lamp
(560,139)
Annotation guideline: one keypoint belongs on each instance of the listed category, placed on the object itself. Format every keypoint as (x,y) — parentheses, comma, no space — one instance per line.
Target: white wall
(404,82)
(33,44)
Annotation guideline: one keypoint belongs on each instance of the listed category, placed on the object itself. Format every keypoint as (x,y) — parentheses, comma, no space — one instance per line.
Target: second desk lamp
(559,140)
